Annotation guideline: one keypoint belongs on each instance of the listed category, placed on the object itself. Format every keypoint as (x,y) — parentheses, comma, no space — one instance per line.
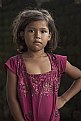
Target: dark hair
(26,17)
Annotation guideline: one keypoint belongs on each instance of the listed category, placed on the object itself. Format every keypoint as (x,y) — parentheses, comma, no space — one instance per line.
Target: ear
(49,36)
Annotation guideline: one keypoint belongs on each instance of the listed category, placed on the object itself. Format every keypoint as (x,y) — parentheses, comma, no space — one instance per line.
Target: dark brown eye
(43,31)
(31,30)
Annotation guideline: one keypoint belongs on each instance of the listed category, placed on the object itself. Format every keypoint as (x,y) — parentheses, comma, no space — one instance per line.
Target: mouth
(37,42)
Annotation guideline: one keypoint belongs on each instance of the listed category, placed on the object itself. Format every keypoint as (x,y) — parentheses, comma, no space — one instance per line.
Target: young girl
(33,76)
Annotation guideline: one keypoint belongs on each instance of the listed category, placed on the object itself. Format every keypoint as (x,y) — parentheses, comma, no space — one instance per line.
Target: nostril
(37,37)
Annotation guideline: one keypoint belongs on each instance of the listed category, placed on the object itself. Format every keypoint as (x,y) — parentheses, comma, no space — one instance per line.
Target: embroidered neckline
(42,74)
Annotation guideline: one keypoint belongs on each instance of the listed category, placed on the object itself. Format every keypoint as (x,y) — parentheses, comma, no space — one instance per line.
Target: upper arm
(72,71)
(11,85)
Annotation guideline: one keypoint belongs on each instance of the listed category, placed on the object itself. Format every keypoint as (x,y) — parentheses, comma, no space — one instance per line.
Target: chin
(37,49)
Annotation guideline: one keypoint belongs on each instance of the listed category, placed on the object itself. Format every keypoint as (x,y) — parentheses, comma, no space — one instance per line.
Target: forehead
(38,24)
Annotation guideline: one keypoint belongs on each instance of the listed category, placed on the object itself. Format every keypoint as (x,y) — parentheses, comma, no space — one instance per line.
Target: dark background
(67,15)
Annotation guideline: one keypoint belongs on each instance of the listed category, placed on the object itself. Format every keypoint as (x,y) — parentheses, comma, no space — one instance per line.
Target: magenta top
(37,93)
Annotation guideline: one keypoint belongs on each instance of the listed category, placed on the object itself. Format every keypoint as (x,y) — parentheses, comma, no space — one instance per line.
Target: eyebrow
(35,28)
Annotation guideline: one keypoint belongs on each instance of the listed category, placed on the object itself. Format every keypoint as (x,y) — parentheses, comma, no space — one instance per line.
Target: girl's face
(37,35)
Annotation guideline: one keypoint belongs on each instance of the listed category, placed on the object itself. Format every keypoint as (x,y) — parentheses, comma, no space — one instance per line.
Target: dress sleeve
(61,60)
(11,64)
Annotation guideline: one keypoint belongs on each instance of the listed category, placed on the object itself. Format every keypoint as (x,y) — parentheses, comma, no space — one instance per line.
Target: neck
(35,54)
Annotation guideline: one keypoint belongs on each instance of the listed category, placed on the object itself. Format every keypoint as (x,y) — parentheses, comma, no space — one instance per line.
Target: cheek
(28,36)
(45,41)
(25,35)
(47,38)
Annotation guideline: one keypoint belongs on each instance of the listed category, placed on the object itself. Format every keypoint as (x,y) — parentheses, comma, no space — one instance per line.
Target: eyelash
(43,31)
(32,31)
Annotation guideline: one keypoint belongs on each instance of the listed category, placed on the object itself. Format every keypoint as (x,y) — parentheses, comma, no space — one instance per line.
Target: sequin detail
(40,84)
(38,93)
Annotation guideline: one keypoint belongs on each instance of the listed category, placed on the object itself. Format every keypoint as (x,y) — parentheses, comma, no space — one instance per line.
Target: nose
(37,34)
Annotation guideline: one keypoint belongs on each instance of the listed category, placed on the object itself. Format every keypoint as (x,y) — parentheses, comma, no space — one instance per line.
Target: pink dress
(37,93)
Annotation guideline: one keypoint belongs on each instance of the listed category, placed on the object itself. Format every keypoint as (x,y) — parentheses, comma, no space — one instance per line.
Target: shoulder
(11,63)
(61,61)
(59,57)
(13,59)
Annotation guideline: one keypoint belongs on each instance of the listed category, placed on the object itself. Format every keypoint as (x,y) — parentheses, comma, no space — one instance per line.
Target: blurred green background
(67,15)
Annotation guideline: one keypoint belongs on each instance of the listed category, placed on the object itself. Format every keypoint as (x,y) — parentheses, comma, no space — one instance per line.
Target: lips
(37,42)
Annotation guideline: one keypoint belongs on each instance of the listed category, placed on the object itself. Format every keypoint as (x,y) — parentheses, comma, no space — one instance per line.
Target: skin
(36,37)
(75,73)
